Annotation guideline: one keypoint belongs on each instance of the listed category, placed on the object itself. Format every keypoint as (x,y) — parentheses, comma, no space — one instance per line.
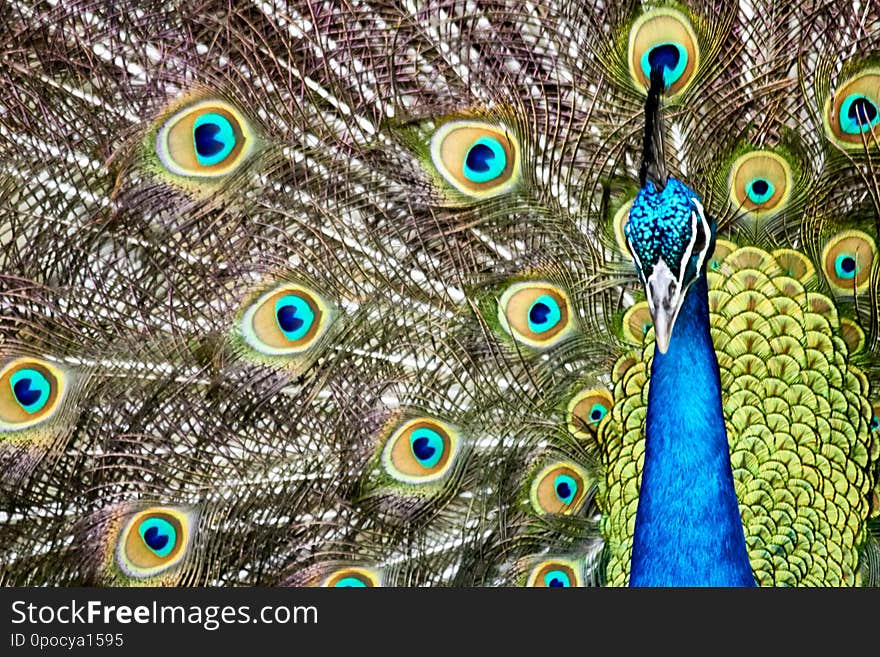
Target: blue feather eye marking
(760,183)
(427,446)
(294,315)
(557,579)
(672,57)
(352,578)
(420,451)
(213,138)
(586,410)
(760,190)
(555,573)
(597,412)
(158,535)
(847,260)
(853,110)
(154,540)
(566,488)
(350,583)
(559,489)
(476,158)
(289,319)
(207,139)
(535,313)
(31,389)
(485,160)
(544,314)
(30,392)
(875,423)
(663,38)
(845,266)
(858,114)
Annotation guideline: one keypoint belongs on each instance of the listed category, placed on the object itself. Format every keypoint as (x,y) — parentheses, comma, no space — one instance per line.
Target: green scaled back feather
(335,293)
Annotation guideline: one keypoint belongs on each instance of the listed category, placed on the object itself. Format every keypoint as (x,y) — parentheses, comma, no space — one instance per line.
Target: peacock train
(440,293)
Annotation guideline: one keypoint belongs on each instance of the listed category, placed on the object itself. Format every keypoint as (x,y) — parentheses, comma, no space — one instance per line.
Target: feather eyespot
(847,260)
(30,391)
(421,450)
(287,320)
(536,314)
(352,577)
(852,113)
(477,158)
(153,541)
(554,573)
(559,488)
(586,410)
(637,321)
(208,139)
(663,37)
(760,183)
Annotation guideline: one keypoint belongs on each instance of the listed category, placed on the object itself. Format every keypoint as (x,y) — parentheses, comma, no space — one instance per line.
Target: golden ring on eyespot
(637,321)
(663,35)
(477,158)
(352,577)
(207,139)
(586,410)
(420,450)
(555,573)
(535,313)
(559,489)
(847,260)
(31,390)
(760,183)
(287,320)
(154,540)
(852,112)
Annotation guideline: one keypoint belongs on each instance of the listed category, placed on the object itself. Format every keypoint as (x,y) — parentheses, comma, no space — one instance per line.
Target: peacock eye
(557,579)
(554,574)
(637,321)
(875,423)
(478,159)
(854,109)
(352,578)
(665,38)
(537,314)
(760,182)
(153,541)
(419,451)
(559,489)
(847,260)
(208,139)
(587,409)
(287,320)
(30,391)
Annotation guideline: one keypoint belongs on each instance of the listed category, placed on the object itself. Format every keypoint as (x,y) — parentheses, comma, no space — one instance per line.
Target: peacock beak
(663,289)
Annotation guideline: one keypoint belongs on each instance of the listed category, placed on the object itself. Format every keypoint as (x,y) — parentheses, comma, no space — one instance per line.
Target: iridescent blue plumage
(659,226)
(688,530)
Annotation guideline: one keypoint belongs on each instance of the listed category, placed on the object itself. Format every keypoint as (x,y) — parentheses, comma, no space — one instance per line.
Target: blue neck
(688,528)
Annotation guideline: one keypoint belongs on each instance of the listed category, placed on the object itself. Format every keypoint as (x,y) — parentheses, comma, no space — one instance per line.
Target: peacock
(452,293)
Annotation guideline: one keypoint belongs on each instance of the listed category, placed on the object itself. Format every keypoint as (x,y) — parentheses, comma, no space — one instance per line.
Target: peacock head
(670,241)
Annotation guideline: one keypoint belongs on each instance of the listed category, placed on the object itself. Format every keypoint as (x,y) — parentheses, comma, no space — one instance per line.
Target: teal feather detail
(341,293)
